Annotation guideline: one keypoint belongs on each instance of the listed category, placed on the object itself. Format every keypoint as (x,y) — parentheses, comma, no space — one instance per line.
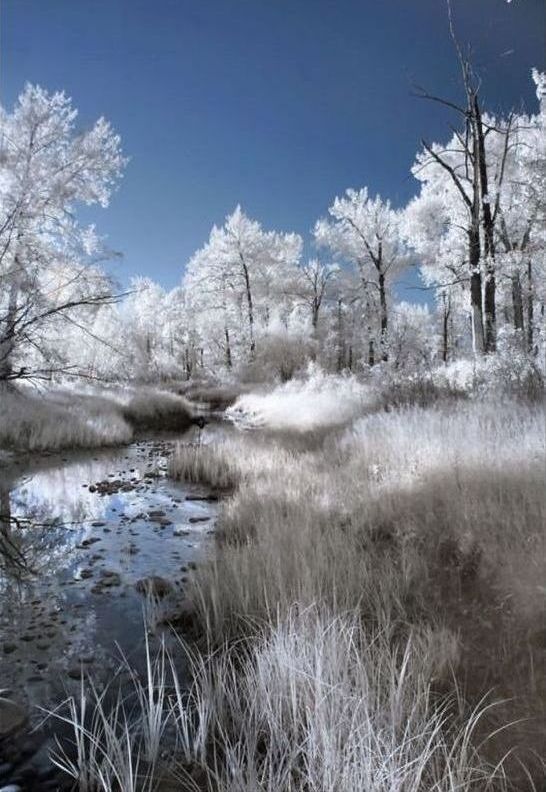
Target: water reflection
(76,534)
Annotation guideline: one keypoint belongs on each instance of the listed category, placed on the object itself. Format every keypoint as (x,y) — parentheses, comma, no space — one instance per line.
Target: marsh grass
(38,421)
(315,702)
(370,618)
(59,418)
(421,519)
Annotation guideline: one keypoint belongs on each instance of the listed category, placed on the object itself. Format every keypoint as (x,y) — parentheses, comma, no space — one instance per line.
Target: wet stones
(111,487)
(108,579)
(12,717)
(154,586)
(88,542)
(181,532)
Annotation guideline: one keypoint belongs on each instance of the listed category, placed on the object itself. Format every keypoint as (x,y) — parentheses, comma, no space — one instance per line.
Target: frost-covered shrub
(303,405)
(511,371)
(282,355)
(421,390)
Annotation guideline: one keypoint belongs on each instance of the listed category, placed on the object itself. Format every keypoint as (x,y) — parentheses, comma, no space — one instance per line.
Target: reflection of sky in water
(57,617)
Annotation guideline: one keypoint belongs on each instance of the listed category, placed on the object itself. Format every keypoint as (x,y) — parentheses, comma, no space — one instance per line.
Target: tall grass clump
(67,417)
(113,736)
(317,703)
(151,408)
(59,419)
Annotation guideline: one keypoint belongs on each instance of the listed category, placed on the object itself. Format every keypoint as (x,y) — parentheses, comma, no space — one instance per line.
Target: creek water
(78,531)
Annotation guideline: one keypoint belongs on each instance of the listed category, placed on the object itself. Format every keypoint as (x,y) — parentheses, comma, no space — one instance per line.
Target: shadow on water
(78,531)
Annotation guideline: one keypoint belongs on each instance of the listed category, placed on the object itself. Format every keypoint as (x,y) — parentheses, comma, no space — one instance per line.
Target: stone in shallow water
(12,717)
(181,532)
(154,586)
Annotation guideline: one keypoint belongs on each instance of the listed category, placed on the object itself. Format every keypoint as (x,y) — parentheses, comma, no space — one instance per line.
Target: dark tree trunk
(384,316)
(228,349)
(7,339)
(476,290)
(488,234)
(530,307)
(341,339)
(315,314)
(517,302)
(445,330)
(371,353)
(250,307)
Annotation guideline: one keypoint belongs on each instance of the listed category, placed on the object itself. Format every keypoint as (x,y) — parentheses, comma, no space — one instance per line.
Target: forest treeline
(249,304)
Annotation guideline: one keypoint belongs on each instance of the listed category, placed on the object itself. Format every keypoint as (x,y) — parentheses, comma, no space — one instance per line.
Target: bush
(321,401)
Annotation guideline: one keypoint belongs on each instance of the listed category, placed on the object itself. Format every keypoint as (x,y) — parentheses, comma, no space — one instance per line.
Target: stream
(83,536)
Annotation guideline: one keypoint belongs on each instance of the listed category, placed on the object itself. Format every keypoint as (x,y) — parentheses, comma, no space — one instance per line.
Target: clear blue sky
(275,104)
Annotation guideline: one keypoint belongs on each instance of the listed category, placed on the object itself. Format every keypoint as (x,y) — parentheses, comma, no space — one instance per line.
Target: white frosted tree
(366,232)
(236,278)
(476,243)
(312,285)
(49,263)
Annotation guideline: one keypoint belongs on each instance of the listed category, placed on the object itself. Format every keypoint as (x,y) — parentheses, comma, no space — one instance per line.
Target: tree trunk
(315,314)
(371,353)
(445,330)
(7,340)
(478,340)
(517,302)
(341,340)
(228,348)
(530,307)
(250,306)
(488,234)
(384,317)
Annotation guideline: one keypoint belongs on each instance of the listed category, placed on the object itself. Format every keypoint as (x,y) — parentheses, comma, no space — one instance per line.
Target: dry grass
(67,418)
(372,615)
(149,408)
(432,518)
(315,703)
(35,421)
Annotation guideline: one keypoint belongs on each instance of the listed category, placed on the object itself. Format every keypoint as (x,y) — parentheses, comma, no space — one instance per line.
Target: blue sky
(275,104)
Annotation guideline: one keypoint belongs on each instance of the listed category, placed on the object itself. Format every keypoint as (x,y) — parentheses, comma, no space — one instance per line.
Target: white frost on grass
(322,401)
(403,447)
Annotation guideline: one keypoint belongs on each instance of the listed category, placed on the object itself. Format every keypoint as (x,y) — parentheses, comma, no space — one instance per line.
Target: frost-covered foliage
(248,307)
(50,275)
(304,405)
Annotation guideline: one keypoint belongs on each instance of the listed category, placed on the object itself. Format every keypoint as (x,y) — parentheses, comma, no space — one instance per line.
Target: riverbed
(97,546)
